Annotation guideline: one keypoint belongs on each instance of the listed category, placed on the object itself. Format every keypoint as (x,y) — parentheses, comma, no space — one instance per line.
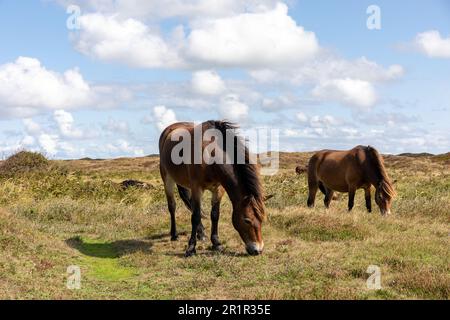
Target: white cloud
(232,109)
(49,143)
(65,121)
(327,67)
(28,88)
(25,85)
(31,126)
(352,92)
(163,117)
(117,126)
(207,82)
(129,41)
(303,118)
(249,36)
(162,9)
(251,40)
(321,122)
(122,147)
(433,44)
(350,82)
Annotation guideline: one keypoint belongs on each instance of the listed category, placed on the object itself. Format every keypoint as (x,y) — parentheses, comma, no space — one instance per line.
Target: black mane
(247,172)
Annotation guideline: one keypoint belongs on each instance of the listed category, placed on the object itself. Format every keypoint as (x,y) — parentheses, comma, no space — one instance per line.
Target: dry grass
(76,213)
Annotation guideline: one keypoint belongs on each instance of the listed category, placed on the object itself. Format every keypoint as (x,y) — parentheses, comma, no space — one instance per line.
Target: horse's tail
(312,169)
(386,185)
(313,182)
(185,196)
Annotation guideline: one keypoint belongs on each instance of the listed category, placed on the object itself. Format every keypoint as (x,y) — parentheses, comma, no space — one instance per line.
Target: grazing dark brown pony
(240,181)
(347,171)
(301,169)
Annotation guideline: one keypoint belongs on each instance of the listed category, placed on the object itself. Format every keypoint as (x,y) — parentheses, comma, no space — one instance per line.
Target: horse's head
(247,220)
(384,195)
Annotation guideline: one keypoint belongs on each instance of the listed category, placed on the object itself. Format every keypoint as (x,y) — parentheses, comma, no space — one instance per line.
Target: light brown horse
(241,181)
(347,171)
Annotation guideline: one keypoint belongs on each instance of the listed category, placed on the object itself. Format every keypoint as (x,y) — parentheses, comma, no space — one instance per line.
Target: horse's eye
(248,221)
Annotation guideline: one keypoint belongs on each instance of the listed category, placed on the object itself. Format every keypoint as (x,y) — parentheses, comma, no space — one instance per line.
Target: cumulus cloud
(50,140)
(353,92)
(65,121)
(28,88)
(122,147)
(252,40)
(162,9)
(265,36)
(335,79)
(31,126)
(117,126)
(49,143)
(26,85)
(163,117)
(433,44)
(303,118)
(231,108)
(129,41)
(207,82)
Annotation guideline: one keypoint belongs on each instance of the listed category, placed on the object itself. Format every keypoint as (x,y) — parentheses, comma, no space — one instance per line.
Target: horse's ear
(270,196)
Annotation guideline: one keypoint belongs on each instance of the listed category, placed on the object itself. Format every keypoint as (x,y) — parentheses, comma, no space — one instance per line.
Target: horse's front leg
(351,199)
(368,200)
(215,214)
(195,221)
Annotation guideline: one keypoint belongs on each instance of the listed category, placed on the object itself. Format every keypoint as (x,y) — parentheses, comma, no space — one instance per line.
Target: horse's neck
(229,182)
(371,175)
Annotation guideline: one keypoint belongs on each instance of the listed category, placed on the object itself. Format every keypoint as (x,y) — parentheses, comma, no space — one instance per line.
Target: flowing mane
(386,186)
(247,173)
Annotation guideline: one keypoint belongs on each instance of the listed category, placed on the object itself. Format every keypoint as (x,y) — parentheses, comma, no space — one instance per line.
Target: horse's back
(337,168)
(177,172)
(165,135)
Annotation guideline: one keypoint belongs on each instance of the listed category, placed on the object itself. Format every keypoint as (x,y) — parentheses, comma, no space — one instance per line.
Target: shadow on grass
(209,252)
(163,236)
(115,249)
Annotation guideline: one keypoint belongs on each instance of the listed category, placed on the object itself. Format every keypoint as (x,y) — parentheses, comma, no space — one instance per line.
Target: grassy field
(76,213)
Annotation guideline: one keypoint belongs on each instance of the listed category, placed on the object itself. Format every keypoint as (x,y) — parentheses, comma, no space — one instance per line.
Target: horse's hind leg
(351,199)
(169,185)
(215,213)
(368,199)
(185,195)
(328,197)
(328,193)
(195,221)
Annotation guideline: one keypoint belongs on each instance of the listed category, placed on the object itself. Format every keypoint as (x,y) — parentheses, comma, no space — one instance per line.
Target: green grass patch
(102,259)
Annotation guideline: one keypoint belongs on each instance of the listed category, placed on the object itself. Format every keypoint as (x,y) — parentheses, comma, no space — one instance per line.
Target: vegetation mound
(24,162)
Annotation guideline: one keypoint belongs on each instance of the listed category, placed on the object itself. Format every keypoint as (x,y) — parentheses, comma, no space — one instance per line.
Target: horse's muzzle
(254,249)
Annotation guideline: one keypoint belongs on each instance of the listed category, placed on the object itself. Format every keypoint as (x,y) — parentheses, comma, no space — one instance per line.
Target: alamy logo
(215,147)
(73,22)
(374,280)
(73,277)
(374,19)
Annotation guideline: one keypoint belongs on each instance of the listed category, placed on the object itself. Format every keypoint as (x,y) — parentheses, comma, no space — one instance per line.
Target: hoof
(174,238)
(218,248)
(190,253)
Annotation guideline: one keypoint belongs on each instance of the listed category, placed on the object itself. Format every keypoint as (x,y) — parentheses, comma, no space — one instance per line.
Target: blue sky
(310,69)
